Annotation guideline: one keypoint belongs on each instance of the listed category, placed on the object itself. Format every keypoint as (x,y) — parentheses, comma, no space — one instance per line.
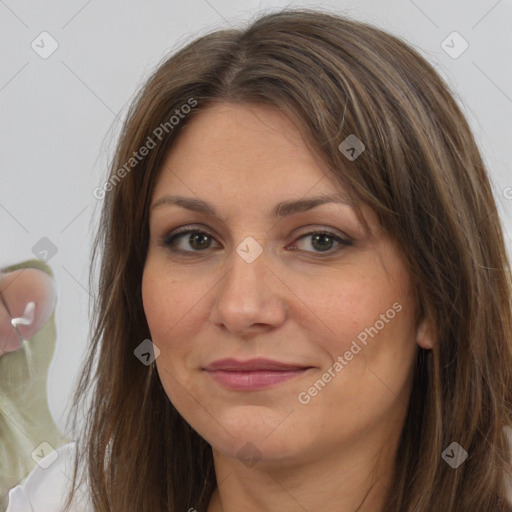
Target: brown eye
(196,240)
(188,240)
(323,241)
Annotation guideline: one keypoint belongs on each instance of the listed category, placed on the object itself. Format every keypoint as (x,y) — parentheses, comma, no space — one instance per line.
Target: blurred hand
(29,297)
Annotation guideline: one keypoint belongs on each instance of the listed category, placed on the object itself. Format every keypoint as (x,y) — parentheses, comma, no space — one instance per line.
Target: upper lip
(253,365)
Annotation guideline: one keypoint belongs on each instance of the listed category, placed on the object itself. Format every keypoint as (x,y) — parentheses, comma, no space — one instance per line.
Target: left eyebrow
(282,209)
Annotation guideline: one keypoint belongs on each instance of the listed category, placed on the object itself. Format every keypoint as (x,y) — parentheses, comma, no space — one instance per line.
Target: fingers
(29,299)
(9,338)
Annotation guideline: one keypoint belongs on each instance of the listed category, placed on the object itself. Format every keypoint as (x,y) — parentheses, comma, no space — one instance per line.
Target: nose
(250,298)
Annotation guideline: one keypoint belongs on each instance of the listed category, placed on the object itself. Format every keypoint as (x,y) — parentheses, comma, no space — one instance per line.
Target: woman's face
(277,343)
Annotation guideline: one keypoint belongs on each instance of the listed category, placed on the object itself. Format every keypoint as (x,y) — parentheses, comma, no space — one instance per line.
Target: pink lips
(253,374)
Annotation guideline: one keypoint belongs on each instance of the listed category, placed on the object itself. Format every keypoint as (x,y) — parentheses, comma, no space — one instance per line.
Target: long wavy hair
(421,173)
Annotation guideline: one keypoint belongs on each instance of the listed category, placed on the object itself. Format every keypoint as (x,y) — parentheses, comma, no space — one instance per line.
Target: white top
(46,488)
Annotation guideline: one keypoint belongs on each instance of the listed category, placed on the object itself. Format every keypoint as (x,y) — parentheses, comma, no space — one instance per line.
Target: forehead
(230,150)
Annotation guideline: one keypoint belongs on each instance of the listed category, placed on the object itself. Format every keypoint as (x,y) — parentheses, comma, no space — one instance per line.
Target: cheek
(160,306)
(171,306)
(345,308)
(370,317)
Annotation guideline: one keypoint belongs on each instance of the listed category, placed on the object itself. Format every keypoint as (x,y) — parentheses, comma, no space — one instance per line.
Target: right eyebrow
(282,209)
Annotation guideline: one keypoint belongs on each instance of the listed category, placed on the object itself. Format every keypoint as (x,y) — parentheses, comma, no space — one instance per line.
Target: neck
(351,479)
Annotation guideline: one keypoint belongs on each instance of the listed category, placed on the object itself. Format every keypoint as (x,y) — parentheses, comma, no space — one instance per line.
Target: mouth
(254,374)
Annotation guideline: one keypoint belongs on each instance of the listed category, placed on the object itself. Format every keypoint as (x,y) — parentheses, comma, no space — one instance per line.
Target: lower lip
(253,380)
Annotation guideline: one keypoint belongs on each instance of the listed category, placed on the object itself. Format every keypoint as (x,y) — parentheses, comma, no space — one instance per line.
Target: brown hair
(421,173)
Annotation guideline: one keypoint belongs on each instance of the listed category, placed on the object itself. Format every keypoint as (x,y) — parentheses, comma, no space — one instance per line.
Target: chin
(251,433)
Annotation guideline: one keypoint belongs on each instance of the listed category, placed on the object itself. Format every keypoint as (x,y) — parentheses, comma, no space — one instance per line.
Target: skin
(290,305)
(18,288)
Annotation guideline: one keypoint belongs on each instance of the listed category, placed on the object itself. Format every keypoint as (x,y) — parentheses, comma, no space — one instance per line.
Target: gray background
(60,115)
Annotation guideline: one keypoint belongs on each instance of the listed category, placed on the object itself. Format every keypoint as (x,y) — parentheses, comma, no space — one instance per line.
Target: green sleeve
(25,419)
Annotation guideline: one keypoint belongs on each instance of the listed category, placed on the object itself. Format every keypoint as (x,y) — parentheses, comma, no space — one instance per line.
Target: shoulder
(47,486)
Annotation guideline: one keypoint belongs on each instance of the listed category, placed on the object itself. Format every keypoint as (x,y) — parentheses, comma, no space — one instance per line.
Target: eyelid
(343,240)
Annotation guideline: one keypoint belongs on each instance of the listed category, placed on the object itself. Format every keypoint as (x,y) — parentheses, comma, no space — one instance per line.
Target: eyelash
(168,240)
